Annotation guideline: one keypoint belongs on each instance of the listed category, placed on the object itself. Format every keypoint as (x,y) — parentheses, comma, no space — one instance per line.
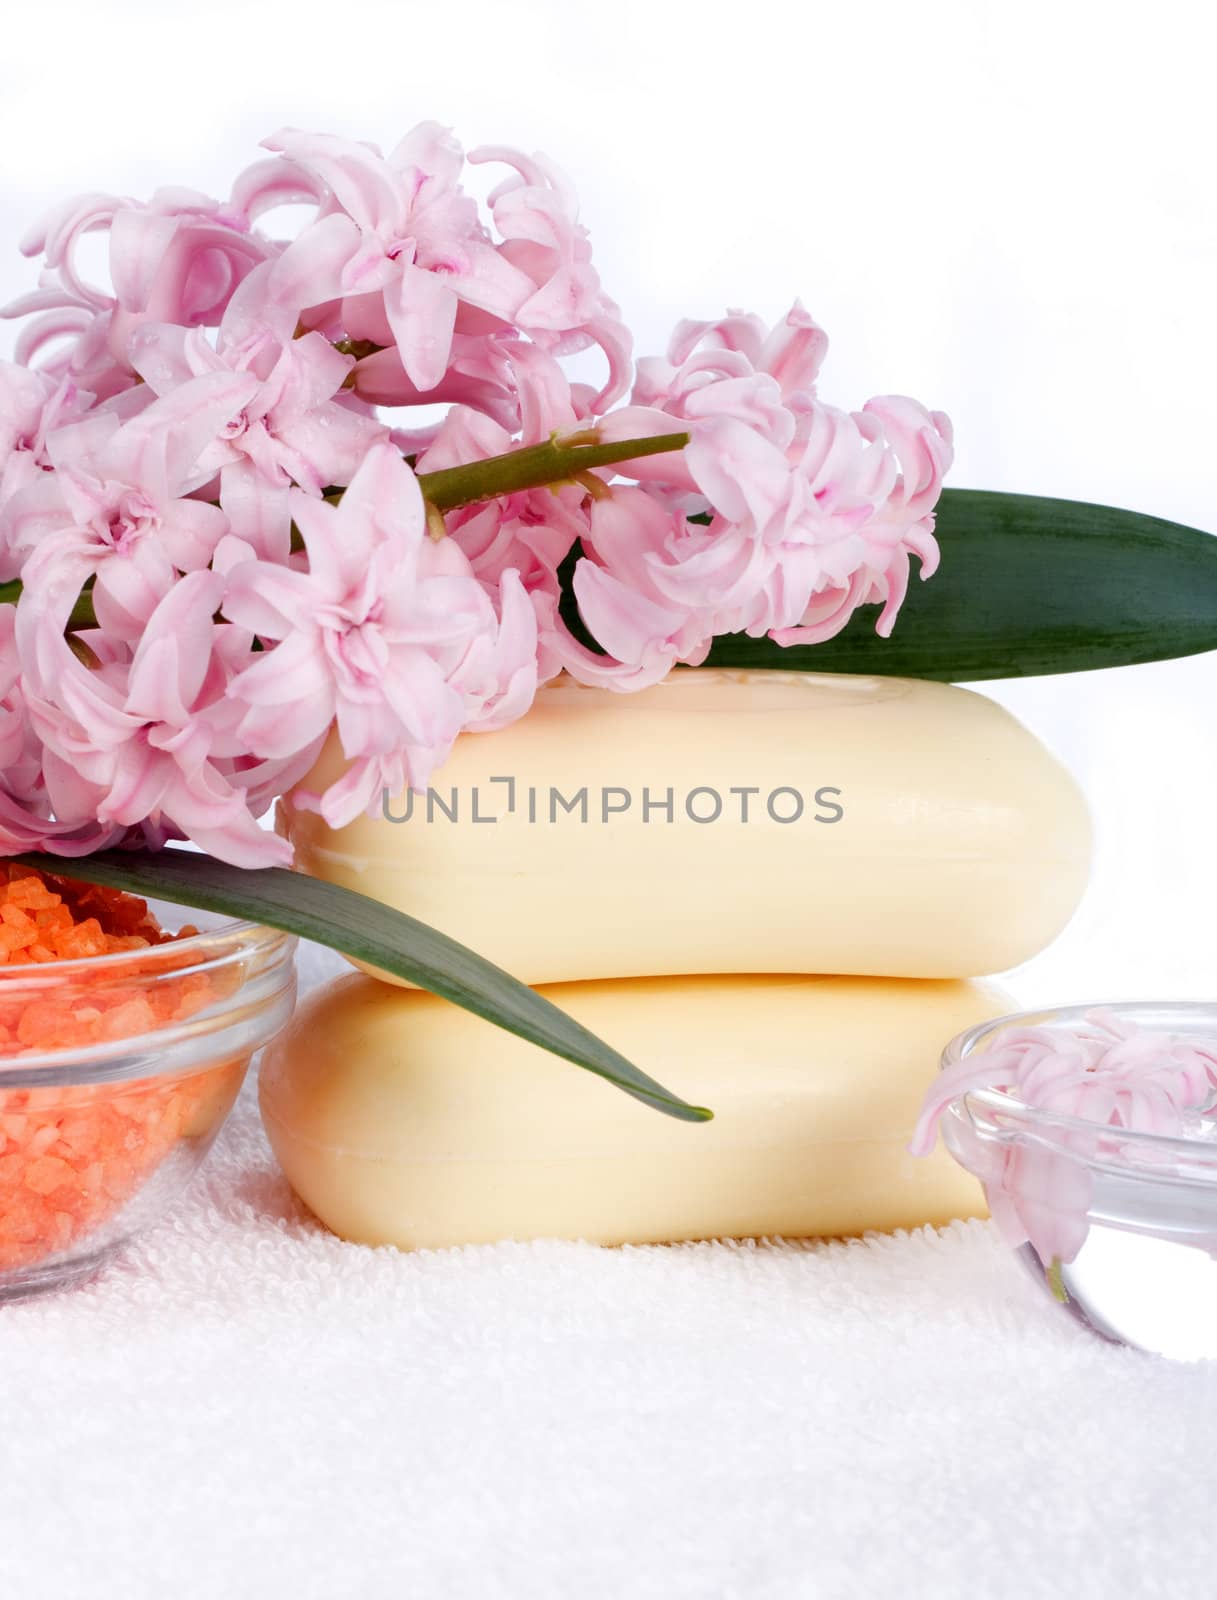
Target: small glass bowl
(102,1131)
(1119,1227)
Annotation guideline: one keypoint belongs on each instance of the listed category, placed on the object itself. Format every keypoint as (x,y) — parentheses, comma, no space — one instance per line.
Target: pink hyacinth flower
(871,480)
(25,809)
(373,638)
(401,232)
(830,506)
(536,214)
(289,430)
(653,590)
(176,259)
(838,501)
(128,744)
(115,507)
(32,406)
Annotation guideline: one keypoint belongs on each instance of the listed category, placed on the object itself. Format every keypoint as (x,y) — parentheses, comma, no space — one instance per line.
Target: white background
(1005,210)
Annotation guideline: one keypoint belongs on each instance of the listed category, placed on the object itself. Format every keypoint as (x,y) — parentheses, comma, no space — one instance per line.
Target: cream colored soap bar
(400,1119)
(893,827)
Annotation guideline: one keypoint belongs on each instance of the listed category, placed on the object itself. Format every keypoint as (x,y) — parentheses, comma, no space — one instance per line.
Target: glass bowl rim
(269,951)
(115,960)
(958,1049)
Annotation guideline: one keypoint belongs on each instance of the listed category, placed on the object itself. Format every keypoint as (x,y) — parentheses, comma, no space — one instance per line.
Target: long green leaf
(373,933)
(1028,586)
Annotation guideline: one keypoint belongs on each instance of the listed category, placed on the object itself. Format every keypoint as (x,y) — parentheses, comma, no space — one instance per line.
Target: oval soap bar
(731,822)
(400,1119)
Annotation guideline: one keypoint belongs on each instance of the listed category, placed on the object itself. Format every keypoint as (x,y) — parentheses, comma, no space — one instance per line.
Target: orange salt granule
(71,1157)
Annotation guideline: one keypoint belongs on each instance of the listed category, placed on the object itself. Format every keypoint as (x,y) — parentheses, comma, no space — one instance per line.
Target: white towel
(247,1407)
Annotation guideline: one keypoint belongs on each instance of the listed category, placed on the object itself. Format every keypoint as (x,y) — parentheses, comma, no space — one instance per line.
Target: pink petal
(794,351)
(130,587)
(276,182)
(161,448)
(166,356)
(624,622)
(382,502)
(739,472)
(270,600)
(190,531)
(139,243)
(258,510)
(172,659)
(490,282)
(332,441)
(430,149)
(362,182)
(421,309)
(311,269)
(254,311)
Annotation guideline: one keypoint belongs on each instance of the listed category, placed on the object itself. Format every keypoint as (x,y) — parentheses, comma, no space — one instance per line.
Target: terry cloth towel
(247,1407)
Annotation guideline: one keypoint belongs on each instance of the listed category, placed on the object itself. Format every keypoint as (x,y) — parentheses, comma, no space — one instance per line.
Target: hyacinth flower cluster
(223,538)
(1108,1075)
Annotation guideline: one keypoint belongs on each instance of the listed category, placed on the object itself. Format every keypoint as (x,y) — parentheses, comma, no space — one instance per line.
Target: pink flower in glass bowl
(1057,1098)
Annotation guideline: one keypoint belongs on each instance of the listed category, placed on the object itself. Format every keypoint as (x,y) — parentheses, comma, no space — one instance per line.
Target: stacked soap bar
(769,890)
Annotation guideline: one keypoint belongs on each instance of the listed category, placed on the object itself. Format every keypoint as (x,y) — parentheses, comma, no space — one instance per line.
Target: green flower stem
(556,461)
(534,466)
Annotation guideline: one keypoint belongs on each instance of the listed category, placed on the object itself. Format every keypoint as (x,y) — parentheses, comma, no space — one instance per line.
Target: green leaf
(1027,586)
(373,933)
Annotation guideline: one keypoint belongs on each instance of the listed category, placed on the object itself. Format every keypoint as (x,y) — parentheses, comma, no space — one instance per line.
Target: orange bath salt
(70,920)
(71,1157)
(46,918)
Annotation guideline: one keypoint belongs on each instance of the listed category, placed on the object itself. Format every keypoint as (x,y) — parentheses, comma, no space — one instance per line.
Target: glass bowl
(133,1061)
(1119,1227)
